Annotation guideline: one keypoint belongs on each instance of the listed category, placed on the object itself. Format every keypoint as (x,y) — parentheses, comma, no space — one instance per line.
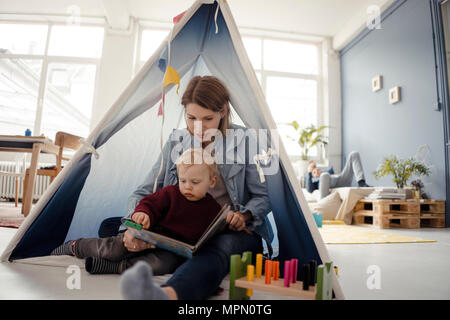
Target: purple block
(294,263)
(287,273)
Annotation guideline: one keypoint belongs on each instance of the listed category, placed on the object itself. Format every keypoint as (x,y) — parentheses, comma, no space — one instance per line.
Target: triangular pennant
(171,77)
(178,17)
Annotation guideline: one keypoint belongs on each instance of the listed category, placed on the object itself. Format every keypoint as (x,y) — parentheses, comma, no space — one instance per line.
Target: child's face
(194,181)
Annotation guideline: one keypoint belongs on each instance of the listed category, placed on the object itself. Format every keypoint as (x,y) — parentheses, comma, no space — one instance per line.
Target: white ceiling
(339,19)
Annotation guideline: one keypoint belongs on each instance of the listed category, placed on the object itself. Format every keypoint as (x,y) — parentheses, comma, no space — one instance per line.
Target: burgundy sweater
(173,215)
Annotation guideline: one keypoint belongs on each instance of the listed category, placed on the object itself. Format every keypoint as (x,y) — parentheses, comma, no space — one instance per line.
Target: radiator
(8,184)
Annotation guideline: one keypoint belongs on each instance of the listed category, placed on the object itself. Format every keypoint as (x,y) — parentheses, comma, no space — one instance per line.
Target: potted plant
(401,169)
(308,138)
(417,185)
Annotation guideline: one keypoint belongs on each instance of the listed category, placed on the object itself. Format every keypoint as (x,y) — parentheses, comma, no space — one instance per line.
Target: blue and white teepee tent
(98,180)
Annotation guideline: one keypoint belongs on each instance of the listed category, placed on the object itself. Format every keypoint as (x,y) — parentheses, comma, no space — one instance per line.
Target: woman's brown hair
(210,93)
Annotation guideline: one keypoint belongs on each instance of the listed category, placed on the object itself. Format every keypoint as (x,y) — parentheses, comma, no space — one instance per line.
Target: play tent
(98,180)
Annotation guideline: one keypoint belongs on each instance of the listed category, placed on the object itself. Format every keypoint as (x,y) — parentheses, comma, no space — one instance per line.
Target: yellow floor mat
(337,232)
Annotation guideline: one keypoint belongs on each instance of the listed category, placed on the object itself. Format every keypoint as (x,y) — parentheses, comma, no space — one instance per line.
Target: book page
(215,225)
(155,238)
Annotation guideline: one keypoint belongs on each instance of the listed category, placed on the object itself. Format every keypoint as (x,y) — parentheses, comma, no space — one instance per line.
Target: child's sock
(102,266)
(137,284)
(64,249)
(362,183)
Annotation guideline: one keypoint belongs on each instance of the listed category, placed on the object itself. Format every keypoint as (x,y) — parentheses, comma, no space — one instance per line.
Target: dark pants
(112,248)
(199,277)
(109,227)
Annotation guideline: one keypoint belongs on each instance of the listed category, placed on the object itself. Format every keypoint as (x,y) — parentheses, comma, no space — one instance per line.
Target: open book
(174,245)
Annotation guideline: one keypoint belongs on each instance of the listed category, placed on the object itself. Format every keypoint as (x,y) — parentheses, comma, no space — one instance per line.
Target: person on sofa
(326,179)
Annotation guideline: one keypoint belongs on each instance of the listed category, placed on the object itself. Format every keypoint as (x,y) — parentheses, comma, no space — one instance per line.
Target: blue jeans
(199,277)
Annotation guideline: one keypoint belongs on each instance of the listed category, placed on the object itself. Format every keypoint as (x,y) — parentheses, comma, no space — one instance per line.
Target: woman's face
(199,120)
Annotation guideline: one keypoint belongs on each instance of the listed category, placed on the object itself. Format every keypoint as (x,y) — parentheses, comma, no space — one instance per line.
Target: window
(19,89)
(48,90)
(289,75)
(150,41)
(23,38)
(69,93)
(76,41)
(288,71)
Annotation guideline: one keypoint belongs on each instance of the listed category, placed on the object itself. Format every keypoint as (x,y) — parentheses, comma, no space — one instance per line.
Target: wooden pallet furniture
(386,213)
(432,213)
(409,213)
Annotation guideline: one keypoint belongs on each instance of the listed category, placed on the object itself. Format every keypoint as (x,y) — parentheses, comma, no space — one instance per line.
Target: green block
(324,286)
(238,269)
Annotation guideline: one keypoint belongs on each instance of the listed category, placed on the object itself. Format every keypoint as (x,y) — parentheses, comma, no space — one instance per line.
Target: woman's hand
(236,221)
(135,245)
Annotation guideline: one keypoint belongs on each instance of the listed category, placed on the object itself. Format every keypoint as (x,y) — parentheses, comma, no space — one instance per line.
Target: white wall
(115,72)
(332,103)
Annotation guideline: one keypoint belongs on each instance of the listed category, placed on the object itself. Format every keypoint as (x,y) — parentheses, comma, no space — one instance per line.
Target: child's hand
(141,218)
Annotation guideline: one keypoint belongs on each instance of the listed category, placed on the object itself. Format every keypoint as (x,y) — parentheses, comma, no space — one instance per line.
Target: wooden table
(33,145)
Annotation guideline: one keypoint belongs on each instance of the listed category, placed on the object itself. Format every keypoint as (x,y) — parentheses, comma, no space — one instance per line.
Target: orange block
(250,277)
(268,271)
(259,258)
(276,270)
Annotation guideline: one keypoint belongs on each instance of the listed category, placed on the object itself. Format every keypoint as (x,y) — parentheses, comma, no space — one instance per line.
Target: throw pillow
(328,206)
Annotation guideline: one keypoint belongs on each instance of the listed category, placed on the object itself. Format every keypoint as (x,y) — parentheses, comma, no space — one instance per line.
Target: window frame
(142,26)
(48,59)
(316,77)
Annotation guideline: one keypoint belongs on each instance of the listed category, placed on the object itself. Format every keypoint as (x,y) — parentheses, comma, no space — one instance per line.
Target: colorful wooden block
(312,272)
(294,263)
(305,272)
(250,277)
(259,259)
(324,287)
(268,271)
(276,270)
(238,268)
(287,273)
(248,282)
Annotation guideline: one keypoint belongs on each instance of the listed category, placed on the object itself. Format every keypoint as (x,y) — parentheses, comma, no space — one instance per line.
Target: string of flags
(170,75)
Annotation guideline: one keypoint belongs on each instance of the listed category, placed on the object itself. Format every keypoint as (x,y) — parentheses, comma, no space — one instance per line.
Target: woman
(207,109)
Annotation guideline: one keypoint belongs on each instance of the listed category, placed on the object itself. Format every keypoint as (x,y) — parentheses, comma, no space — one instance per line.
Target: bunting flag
(161,105)
(162,64)
(178,17)
(171,76)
